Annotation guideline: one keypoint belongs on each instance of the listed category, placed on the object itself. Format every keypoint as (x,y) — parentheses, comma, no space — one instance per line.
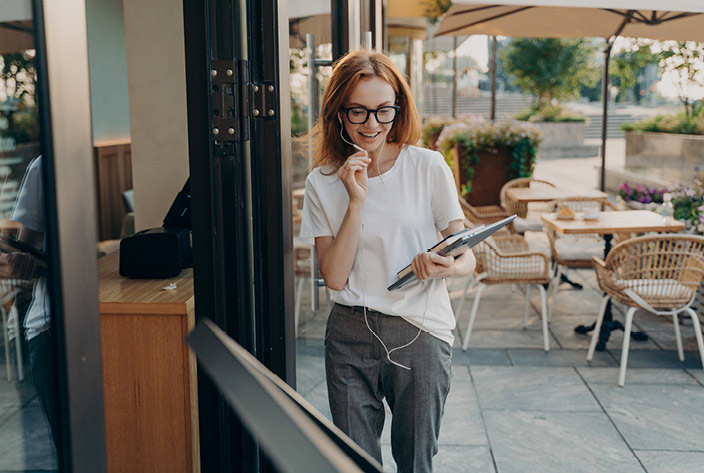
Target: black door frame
(242,236)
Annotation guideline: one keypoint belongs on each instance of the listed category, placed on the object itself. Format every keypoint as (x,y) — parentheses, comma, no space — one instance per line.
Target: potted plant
(432,127)
(485,155)
(553,70)
(674,141)
(640,197)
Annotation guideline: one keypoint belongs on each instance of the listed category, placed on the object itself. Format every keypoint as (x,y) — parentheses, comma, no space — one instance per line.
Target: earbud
(358,148)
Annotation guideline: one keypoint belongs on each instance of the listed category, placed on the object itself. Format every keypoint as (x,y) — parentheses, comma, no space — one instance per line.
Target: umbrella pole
(605,99)
(454,78)
(492,111)
(605,93)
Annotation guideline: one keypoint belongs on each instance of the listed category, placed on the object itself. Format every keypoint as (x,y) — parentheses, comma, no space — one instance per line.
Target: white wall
(157,95)
(15,10)
(110,113)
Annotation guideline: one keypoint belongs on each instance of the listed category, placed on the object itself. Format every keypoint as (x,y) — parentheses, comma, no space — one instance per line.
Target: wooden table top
(118,295)
(545,194)
(627,221)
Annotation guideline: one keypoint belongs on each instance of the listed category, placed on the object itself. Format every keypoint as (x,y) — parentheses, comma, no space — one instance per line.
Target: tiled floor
(25,441)
(515,409)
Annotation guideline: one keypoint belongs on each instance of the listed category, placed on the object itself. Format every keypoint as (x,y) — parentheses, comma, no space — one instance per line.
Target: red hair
(328,148)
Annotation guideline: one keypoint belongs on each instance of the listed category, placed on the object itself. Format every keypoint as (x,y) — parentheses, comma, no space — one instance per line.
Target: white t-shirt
(29,211)
(404,211)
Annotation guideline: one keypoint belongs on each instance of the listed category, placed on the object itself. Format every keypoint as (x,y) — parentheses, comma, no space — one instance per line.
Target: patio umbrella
(682,21)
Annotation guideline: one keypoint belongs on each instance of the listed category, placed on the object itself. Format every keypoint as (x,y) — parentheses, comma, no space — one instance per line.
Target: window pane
(309,17)
(28,381)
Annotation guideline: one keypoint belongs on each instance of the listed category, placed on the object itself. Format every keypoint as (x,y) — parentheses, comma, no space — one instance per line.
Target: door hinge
(230,98)
(264,100)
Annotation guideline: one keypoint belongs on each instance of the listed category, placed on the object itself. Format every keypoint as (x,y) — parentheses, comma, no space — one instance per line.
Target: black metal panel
(219,186)
(271,202)
(201,172)
(340,28)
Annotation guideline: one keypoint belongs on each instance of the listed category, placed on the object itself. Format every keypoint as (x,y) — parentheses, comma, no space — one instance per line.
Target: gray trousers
(359,377)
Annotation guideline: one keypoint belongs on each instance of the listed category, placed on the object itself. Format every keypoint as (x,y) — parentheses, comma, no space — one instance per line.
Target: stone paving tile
(14,395)
(663,417)
(698,374)
(659,359)
(659,461)
(494,320)
(310,371)
(528,388)
(310,346)
(509,339)
(569,302)
(562,329)
(318,397)
(314,328)
(25,441)
(480,357)
(451,459)
(557,442)
(637,376)
(526,357)
(462,422)
(647,321)
(666,338)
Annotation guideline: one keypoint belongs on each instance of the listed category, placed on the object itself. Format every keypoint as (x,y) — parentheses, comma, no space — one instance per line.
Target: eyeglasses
(359,115)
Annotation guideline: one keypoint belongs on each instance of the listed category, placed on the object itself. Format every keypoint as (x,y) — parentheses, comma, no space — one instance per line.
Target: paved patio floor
(515,409)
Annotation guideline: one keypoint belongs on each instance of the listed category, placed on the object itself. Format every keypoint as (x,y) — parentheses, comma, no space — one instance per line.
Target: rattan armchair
(506,259)
(482,214)
(657,273)
(528,212)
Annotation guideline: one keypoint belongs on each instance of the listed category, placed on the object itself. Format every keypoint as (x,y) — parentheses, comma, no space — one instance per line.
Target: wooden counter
(149,375)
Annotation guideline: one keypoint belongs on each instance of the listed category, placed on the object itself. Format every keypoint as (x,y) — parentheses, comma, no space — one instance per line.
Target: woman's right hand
(353,175)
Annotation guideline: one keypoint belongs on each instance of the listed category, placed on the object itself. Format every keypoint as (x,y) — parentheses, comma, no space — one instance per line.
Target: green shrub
(522,140)
(682,123)
(548,113)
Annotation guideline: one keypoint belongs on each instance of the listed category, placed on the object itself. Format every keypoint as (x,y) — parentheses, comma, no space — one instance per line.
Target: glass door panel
(29,405)
(311,54)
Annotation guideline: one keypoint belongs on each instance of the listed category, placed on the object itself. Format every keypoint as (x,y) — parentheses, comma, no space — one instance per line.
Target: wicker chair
(506,259)
(528,212)
(657,273)
(485,214)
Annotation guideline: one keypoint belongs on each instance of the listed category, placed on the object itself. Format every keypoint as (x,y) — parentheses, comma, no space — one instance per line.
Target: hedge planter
(492,171)
(676,156)
(564,140)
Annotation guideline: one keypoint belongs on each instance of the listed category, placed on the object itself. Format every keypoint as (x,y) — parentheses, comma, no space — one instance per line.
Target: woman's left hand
(432,266)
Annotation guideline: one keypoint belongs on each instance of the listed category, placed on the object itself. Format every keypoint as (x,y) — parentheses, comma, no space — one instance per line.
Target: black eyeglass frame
(375,112)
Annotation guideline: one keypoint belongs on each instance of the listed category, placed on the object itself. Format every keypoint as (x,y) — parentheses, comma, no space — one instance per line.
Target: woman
(372,203)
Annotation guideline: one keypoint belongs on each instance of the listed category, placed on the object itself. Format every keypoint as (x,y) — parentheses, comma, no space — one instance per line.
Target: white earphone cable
(361,263)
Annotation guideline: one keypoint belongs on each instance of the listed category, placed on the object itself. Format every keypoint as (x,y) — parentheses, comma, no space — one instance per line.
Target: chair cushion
(650,289)
(579,249)
(522,225)
(516,268)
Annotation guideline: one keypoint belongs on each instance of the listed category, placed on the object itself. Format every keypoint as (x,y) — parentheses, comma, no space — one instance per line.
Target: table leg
(574,284)
(609,324)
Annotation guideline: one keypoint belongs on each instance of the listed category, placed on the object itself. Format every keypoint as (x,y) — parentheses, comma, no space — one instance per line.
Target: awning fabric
(683,21)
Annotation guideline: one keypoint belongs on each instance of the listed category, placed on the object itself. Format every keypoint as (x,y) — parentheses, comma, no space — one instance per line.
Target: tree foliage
(434,9)
(18,74)
(684,60)
(551,69)
(627,64)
